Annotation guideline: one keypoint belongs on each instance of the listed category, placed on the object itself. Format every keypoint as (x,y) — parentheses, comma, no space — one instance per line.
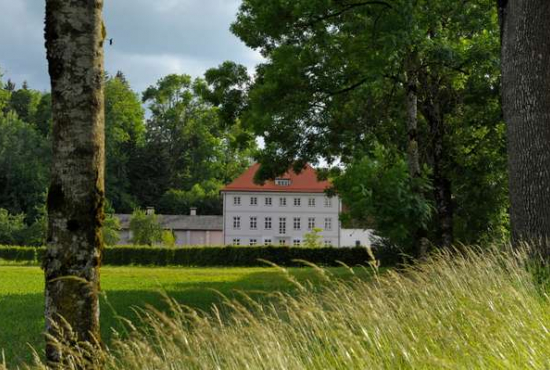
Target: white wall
(349,237)
(198,237)
(304,211)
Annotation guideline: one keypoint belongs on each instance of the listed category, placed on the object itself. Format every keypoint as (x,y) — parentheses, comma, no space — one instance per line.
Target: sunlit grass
(471,310)
(22,308)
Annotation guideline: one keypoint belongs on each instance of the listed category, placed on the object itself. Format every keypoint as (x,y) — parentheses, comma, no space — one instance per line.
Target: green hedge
(207,256)
(21,254)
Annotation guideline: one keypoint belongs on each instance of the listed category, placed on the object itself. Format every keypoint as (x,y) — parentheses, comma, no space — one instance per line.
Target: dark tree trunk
(74,42)
(525,39)
(442,189)
(413,156)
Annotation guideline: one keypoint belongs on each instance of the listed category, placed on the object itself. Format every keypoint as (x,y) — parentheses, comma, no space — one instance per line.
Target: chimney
(193,211)
(150,210)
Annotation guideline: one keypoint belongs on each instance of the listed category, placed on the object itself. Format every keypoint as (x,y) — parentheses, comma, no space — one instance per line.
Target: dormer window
(282,182)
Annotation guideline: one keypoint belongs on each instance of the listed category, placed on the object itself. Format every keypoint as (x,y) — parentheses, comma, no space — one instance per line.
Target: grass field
(21,295)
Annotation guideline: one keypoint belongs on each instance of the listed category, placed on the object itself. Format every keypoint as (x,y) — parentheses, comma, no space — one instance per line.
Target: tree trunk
(441,184)
(526,107)
(413,157)
(74,42)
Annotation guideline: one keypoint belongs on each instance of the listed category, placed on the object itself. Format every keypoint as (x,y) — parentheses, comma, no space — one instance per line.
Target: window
(253,201)
(282,182)
(268,201)
(328,243)
(311,223)
(282,242)
(253,242)
(311,202)
(267,242)
(328,202)
(267,223)
(253,223)
(297,202)
(237,222)
(296,242)
(236,241)
(296,223)
(236,201)
(282,201)
(328,223)
(282,225)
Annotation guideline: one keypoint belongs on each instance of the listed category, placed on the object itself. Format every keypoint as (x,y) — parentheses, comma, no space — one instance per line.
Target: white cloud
(151,39)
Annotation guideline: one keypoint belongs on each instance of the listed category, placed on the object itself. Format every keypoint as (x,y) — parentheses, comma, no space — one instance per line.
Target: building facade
(187,229)
(279,212)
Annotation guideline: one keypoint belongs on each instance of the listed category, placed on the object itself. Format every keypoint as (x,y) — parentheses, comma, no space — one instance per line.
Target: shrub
(210,256)
(12,227)
(168,239)
(145,228)
(111,229)
(312,239)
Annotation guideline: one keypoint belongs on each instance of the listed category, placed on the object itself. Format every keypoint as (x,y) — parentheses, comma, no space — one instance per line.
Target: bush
(111,229)
(12,227)
(145,228)
(210,256)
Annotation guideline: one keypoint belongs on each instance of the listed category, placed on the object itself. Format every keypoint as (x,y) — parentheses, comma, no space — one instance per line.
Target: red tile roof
(305,182)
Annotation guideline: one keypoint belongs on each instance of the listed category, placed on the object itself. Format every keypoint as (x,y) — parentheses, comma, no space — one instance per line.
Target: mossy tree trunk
(74,42)
(525,59)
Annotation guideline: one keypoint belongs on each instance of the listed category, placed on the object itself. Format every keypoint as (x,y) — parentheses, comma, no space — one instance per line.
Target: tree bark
(442,189)
(74,42)
(413,157)
(526,107)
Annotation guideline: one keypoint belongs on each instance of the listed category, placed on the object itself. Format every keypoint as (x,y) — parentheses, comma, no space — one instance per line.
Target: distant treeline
(178,157)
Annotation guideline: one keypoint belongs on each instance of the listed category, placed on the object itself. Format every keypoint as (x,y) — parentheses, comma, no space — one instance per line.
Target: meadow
(128,288)
(471,309)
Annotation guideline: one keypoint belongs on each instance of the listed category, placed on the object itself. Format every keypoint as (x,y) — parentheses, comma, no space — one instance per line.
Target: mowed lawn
(125,288)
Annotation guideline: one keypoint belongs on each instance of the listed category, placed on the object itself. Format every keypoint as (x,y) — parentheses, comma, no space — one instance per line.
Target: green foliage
(227,89)
(15,231)
(179,159)
(206,198)
(168,239)
(43,116)
(214,256)
(145,228)
(379,193)
(312,239)
(334,83)
(24,102)
(124,136)
(36,233)
(24,166)
(111,229)
(4,94)
(186,144)
(11,227)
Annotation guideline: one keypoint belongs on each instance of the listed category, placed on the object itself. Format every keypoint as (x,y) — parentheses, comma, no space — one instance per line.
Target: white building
(279,212)
(356,237)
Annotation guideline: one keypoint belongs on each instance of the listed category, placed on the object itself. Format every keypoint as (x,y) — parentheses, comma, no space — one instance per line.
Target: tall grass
(468,310)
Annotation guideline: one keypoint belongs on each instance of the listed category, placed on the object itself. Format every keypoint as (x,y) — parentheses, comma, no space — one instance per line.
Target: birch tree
(74,42)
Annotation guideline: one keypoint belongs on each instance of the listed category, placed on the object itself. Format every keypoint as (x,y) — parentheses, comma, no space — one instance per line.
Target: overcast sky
(152,38)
